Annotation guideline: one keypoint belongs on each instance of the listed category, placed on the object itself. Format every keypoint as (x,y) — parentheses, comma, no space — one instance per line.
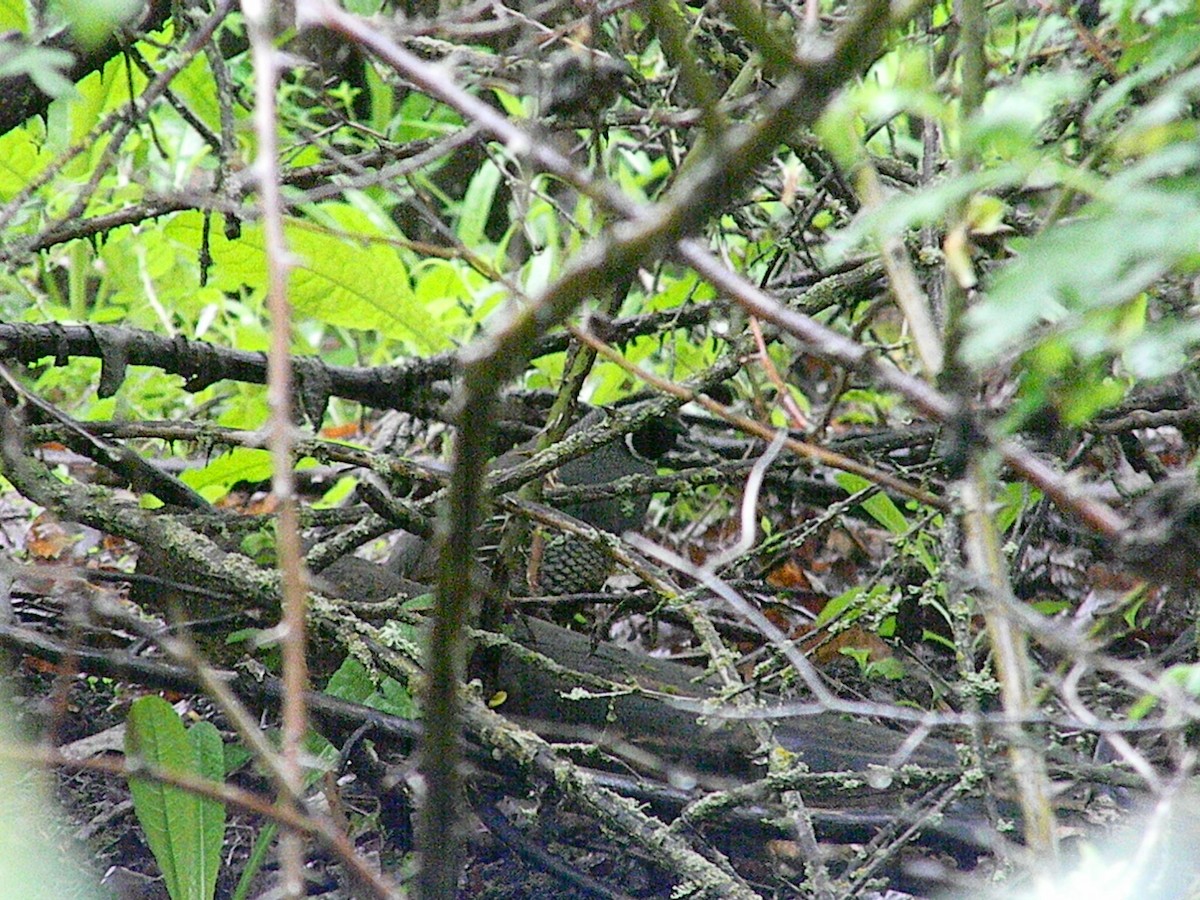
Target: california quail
(570,565)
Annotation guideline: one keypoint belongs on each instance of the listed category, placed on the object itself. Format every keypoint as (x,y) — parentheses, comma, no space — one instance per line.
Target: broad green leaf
(903,212)
(338,494)
(419,603)
(421,117)
(240,464)
(515,107)
(337,279)
(1093,263)
(887,668)
(105,91)
(985,214)
(1050,608)
(1007,125)
(155,735)
(195,85)
(180,827)
(353,682)
(541,269)
(357,285)
(393,697)
(1014,498)
(452,294)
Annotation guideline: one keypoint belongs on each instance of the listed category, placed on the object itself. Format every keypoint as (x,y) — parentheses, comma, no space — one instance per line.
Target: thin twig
(260,26)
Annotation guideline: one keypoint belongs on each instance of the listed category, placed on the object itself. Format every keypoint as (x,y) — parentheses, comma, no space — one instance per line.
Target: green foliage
(1012,500)
(1183,678)
(477,204)
(242,464)
(1077,294)
(837,606)
(888,668)
(1072,193)
(1085,279)
(359,292)
(1077,299)
(183,829)
(853,604)
(1008,126)
(13,16)
(361,283)
(354,276)
(353,682)
(879,505)
(94,21)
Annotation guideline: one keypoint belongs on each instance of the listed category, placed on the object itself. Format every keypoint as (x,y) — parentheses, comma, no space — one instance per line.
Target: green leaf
(351,682)
(181,828)
(1142,707)
(1014,499)
(256,860)
(514,106)
(1135,600)
(419,603)
(905,211)
(195,85)
(13,16)
(209,757)
(1050,607)
(889,669)
(452,294)
(338,494)
(1007,126)
(155,735)
(879,506)
(357,282)
(240,464)
(94,21)
(394,698)
(1090,265)
(936,638)
(363,285)
(834,608)
(477,204)
(21,160)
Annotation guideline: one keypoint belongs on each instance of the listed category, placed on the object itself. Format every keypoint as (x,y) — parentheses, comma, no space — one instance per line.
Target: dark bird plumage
(571,565)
